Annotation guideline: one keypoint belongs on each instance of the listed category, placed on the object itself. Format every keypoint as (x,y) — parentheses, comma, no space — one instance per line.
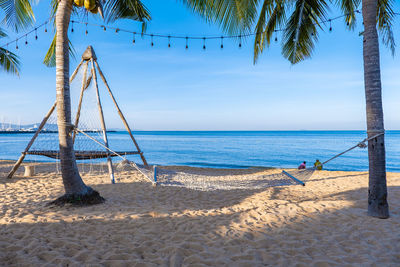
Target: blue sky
(161,88)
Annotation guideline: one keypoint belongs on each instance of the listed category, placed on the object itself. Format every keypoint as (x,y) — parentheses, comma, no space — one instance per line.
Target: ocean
(237,149)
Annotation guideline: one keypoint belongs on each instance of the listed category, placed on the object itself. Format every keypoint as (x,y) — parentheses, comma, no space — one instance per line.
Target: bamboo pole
(23,154)
(78,113)
(75,71)
(294,178)
(103,125)
(121,115)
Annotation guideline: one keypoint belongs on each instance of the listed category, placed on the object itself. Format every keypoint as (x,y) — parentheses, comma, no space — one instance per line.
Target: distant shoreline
(34,131)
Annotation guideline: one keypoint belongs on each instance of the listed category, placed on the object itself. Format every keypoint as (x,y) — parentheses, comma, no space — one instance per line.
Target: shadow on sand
(141,225)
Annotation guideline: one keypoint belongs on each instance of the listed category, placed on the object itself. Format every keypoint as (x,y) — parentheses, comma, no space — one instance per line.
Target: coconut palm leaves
(300,29)
(125,9)
(18,14)
(385,21)
(8,60)
(235,16)
(111,10)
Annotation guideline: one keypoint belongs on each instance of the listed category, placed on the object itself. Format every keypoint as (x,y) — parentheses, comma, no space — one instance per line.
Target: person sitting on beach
(302,166)
(318,165)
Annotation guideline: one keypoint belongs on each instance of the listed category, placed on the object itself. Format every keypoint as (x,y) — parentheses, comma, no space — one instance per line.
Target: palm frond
(385,18)
(348,8)
(50,58)
(235,16)
(276,12)
(298,49)
(126,9)
(9,61)
(18,14)
(2,33)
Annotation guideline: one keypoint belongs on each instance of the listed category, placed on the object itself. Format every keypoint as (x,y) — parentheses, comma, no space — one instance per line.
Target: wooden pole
(103,125)
(75,72)
(78,113)
(121,115)
(23,154)
(294,178)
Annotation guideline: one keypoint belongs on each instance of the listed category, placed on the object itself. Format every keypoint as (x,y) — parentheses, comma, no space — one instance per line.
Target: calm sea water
(238,149)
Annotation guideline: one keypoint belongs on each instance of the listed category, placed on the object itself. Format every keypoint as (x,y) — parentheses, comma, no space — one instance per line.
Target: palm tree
(300,33)
(75,188)
(18,15)
(227,12)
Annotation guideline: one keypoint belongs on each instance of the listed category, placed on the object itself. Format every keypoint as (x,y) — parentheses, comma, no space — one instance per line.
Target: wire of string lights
(152,36)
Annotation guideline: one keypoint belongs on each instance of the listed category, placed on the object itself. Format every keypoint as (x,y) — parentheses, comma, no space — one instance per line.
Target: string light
(170,36)
(222,42)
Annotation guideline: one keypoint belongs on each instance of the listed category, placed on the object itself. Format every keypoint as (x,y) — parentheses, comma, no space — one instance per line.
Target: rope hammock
(90,140)
(87,113)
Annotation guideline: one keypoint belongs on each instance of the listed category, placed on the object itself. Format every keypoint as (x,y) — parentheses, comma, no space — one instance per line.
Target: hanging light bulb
(276,36)
(72,26)
(222,42)
(330,25)
(104,28)
(240,41)
(45,27)
(16,44)
(26,39)
(152,43)
(116,30)
(169,41)
(86,30)
(187,42)
(204,43)
(134,39)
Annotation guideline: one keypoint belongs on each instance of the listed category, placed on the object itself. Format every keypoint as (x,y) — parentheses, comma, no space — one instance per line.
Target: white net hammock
(250,179)
(91,151)
(89,143)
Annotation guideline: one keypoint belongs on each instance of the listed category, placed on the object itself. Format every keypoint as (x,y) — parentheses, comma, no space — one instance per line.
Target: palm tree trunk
(74,186)
(377,191)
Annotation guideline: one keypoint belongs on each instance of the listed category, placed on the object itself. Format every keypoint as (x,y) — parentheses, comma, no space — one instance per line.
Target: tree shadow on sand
(158,226)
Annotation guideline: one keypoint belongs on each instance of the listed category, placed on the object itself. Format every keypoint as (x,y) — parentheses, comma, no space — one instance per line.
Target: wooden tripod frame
(88,57)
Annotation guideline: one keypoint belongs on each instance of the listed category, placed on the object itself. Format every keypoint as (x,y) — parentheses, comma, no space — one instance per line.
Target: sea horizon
(227,149)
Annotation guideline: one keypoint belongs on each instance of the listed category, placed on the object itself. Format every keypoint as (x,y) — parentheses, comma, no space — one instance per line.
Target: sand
(321,224)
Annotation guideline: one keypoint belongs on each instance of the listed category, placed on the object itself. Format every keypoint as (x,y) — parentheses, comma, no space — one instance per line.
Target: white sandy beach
(321,224)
